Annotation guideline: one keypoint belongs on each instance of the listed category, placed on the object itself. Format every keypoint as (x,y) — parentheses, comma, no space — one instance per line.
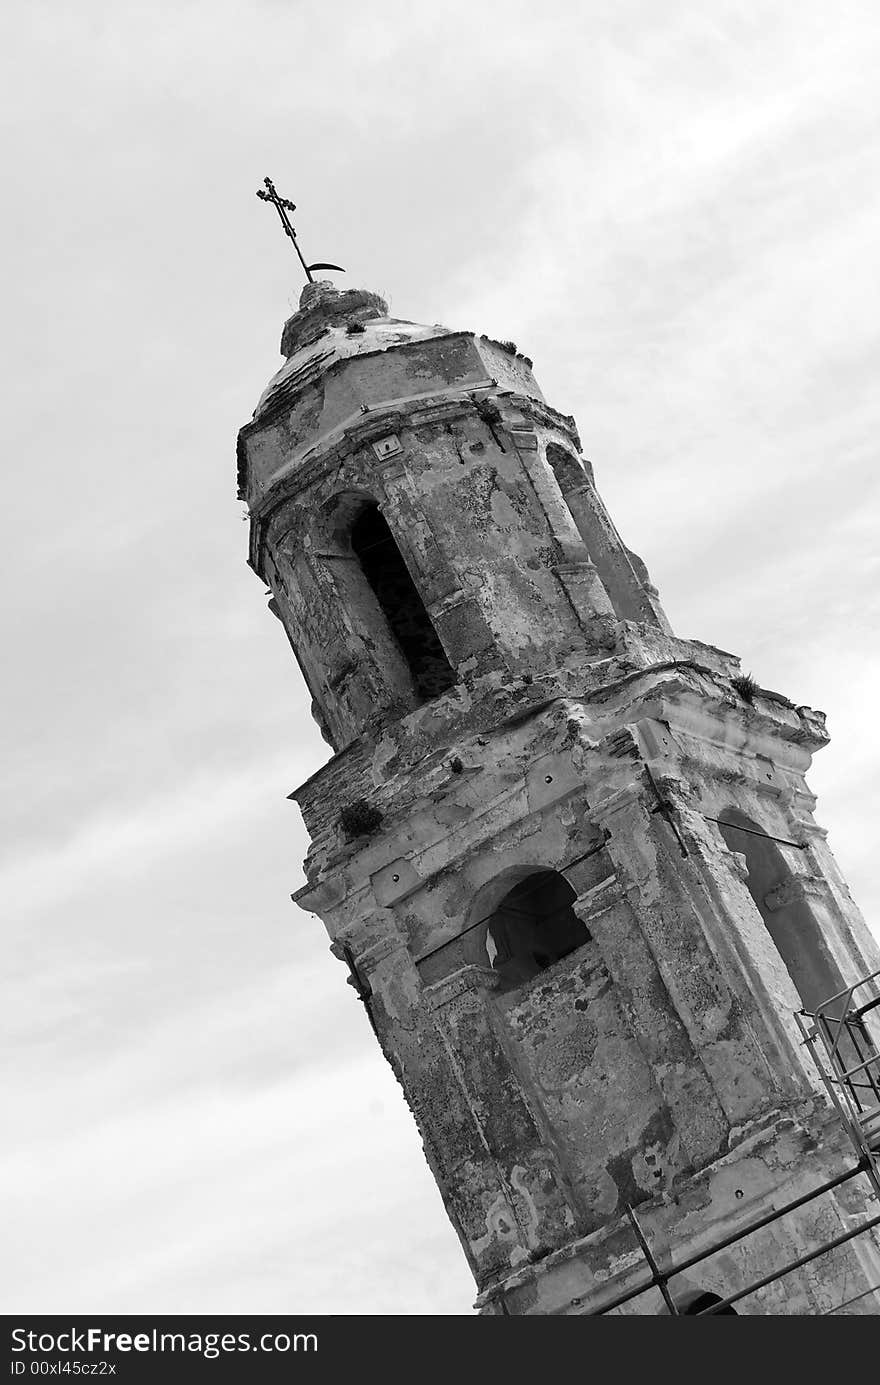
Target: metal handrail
(858,1113)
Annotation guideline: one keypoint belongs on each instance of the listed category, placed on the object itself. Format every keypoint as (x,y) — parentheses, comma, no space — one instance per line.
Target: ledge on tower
(322,305)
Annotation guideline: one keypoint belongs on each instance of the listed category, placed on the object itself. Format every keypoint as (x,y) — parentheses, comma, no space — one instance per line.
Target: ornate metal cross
(283,206)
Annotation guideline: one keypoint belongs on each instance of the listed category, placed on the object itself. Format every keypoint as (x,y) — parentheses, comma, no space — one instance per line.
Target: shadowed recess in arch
(786,914)
(532,927)
(389,577)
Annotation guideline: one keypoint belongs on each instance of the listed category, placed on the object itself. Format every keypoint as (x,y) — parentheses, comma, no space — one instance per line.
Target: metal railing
(660,1278)
(843,1037)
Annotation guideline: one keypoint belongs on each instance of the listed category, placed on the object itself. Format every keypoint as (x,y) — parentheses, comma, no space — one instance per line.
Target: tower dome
(417,507)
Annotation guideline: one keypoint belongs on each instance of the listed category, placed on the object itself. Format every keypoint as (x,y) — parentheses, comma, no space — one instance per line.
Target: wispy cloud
(675,211)
(129,844)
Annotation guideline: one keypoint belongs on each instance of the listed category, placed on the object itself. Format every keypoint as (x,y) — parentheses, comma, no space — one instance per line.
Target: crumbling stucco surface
(657,1065)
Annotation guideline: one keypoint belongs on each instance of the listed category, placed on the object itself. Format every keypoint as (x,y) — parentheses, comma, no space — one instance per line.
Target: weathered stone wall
(655,1048)
(657,1062)
(775,1164)
(449,434)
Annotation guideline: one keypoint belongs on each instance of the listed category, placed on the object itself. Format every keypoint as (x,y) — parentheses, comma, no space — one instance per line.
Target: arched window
(532,927)
(621,572)
(569,471)
(786,914)
(704,1300)
(388,576)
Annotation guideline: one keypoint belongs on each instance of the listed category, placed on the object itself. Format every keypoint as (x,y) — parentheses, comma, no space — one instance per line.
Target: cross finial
(282,205)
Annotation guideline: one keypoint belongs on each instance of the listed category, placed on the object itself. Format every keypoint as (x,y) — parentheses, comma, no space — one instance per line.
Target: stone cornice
(306,467)
(690,699)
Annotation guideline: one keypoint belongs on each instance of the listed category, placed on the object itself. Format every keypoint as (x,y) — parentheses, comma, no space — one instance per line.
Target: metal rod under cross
(282,206)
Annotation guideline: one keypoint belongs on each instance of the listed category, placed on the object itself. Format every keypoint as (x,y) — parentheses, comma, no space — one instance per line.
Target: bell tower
(568,858)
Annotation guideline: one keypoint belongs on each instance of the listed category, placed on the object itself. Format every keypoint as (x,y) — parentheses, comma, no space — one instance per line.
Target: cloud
(144,1204)
(674,210)
(131,844)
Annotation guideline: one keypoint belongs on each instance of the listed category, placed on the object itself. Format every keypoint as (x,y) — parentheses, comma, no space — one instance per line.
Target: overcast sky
(675,209)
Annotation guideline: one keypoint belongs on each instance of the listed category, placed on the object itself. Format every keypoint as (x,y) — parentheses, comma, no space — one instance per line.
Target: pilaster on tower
(570,857)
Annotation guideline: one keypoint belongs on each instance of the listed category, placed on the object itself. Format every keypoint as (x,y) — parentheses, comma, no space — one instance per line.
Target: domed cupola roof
(331,325)
(349,368)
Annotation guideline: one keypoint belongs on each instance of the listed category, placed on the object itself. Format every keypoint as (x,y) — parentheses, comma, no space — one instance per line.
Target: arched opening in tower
(705,1300)
(567,469)
(533,926)
(388,575)
(787,917)
(621,572)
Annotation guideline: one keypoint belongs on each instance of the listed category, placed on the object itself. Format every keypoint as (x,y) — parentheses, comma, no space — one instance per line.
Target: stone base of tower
(718,1235)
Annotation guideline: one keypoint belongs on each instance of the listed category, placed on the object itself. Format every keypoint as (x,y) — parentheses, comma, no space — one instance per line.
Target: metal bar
(658,1276)
(774,1216)
(845,1076)
(801,846)
(862,1142)
(847,1302)
(792,1265)
(843,1110)
(847,991)
(863,1009)
(824,1023)
(872,1065)
(739,1235)
(665,808)
(860,1067)
(873,1080)
(290,231)
(363,991)
(432,952)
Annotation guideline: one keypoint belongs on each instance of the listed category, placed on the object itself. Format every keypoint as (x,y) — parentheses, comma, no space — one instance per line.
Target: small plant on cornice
(488,411)
(354,329)
(359,819)
(508,346)
(746,686)
(456,765)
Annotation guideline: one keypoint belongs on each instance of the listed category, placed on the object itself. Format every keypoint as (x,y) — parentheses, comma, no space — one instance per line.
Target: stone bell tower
(568,858)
